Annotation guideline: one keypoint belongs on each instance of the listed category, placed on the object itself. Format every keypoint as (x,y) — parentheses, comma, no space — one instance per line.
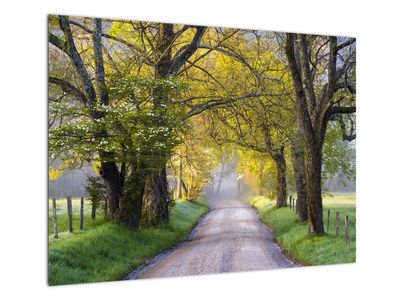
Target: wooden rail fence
(55,218)
(292,203)
(69,212)
(292,206)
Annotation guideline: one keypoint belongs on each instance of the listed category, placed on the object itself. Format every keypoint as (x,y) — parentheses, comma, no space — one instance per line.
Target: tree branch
(341,110)
(69,88)
(147,60)
(298,87)
(347,137)
(332,75)
(184,53)
(344,44)
(199,108)
(99,63)
(304,58)
(209,51)
(77,60)
(58,42)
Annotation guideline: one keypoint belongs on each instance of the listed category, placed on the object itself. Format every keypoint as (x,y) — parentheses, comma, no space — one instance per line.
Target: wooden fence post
(329,217)
(346,228)
(81,215)
(55,228)
(69,208)
(94,211)
(337,224)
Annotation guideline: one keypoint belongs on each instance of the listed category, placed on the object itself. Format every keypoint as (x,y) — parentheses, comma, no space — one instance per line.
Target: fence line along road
(69,212)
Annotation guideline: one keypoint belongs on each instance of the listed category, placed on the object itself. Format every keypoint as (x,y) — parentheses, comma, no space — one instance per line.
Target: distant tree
(193,162)
(97,194)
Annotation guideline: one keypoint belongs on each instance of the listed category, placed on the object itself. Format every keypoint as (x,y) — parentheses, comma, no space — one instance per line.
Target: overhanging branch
(183,54)
(58,42)
(341,110)
(345,44)
(137,50)
(69,89)
(199,108)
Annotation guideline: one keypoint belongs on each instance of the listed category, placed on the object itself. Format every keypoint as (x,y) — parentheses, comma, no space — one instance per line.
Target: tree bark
(280,162)
(312,130)
(106,207)
(156,198)
(132,198)
(110,174)
(299,172)
(313,165)
(315,111)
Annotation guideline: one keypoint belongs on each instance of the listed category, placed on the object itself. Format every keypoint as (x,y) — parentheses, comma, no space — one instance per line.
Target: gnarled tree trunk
(156,198)
(299,172)
(280,162)
(132,198)
(156,195)
(109,172)
(316,104)
(313,166)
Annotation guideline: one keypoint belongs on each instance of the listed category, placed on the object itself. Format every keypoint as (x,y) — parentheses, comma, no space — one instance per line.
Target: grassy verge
(107,251)
(292,234)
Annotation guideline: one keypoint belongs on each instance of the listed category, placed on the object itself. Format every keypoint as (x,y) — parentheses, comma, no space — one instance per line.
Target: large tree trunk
(156,198)
(132,198)
(315,107)
(156,195)
(280,162)
(313,166)
(105,207)
(312,131)
(109,172)
(299,172)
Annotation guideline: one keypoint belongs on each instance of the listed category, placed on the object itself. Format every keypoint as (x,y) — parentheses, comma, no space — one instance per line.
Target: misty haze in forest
(73,183)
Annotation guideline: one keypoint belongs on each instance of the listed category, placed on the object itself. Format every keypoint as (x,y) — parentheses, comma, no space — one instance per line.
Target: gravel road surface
(230,238)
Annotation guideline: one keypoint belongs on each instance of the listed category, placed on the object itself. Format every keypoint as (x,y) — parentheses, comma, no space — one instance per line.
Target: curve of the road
(230,238)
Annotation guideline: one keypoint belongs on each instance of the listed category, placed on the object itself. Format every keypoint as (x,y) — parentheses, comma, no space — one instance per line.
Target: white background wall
(23,148)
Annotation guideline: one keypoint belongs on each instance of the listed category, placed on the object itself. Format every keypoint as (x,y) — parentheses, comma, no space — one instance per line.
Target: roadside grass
(292,235)
(108,251)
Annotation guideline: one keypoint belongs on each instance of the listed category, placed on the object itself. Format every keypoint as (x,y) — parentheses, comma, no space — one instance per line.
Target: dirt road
(230,238)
